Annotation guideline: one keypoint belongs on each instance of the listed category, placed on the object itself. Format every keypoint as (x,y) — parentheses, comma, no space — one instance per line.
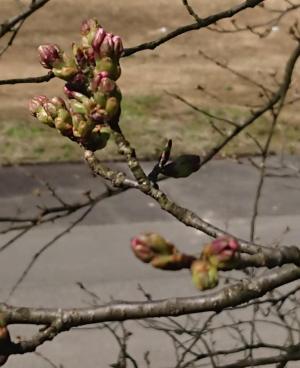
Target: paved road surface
(97,253)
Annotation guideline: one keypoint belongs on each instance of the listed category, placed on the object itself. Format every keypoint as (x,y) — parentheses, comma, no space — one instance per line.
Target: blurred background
(185,66)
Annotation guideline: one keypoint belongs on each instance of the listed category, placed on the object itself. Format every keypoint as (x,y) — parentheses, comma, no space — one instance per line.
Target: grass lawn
(147,122)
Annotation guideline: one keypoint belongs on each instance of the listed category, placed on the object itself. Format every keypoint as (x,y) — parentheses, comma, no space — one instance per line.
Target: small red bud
(50,55)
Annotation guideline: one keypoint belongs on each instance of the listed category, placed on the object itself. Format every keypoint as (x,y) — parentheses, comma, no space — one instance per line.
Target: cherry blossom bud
(66,72)
(88,25)
(88,30)
(100,99)
(90,55)
(118,46)
(147,246)
(97,80)
(107,86)
(110,66)
(98,115)
(204,275)
(58,102)
(80,57)
(174,262)
(50,109)
(225,247)
(36,103)
(98,39)
(78,84)
(106,47)
(81,127)
(50,55)
(221,250)
(36,106)
(78,107)
(63,123)
(112,107)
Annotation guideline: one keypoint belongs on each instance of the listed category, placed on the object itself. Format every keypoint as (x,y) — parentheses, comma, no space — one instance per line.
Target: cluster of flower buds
(154,249)
(214,256)
(93,101)
(5,341)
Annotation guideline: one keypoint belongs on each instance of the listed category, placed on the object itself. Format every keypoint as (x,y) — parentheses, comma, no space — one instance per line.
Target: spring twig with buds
(92,105)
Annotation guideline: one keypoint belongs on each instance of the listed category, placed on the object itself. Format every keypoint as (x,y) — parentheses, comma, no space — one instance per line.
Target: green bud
(81,128)
(88,30)
(107,64)
(84,129)
(50,109)
(173,262)
(112,107)
(204,275)
(78,107)
(63,123)
(100,99)
(66,72)
(44,117)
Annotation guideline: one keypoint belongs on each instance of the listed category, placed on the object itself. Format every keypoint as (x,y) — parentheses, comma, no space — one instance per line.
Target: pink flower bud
(118,46)
(88,25)
(225,248)
(80,56)
(147,246)
(36,103)
(97,80)
(50,55)
(90,55)
(58,102)
(68,92)
(88,31)
(98,115)
(98,39)
(141,250)
(76,84)
(107,85)
(107,47)
(51,109)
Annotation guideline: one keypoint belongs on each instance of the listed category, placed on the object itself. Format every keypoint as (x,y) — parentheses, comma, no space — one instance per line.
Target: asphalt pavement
(96,252)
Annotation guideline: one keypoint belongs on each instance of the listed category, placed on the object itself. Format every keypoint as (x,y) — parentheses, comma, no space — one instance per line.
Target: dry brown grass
(175,67)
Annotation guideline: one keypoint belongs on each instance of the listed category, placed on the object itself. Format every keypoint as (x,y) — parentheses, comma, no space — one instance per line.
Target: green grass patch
(148,121)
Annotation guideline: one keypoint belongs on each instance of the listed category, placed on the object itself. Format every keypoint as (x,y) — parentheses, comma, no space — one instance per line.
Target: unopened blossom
(50,55)
(204,275)
(221,250)
(147,246)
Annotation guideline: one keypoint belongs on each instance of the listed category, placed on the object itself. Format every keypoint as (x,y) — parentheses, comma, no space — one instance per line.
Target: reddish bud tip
(118,46)
(49,55)
(98,39)
(36,103)
(88,25)
(224,247)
